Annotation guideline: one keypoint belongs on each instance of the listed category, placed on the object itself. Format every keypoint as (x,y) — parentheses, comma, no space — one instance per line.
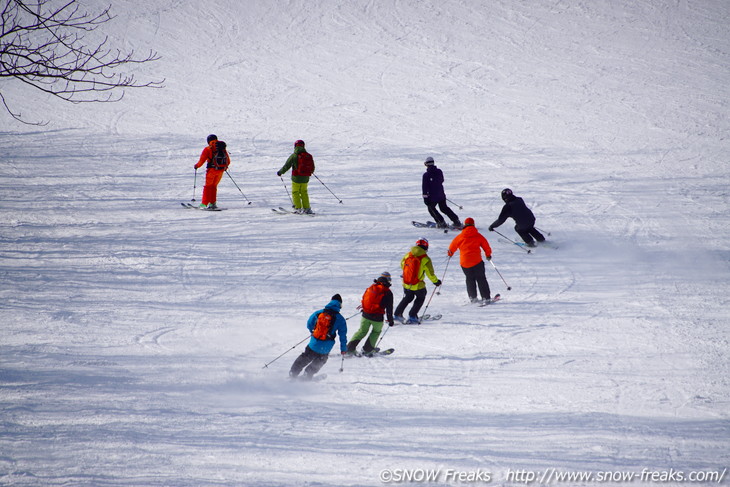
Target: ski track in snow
(140,340)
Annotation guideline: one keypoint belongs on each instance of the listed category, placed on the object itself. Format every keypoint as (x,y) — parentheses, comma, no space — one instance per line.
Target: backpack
(324,328)
(305,165)
(412,269)
(372,299)
(219,160)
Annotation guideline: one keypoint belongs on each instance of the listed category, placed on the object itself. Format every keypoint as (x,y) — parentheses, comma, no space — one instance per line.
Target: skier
(415,265)
(433,194)
(377,303)
(324,325)
(302,166)
(515,207)
(216,166)
(470,244)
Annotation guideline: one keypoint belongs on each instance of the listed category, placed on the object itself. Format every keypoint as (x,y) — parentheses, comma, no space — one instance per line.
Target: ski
(370,354)
(430,224)
(193,207)
(496,298)
(424,225)
(283,211)
(521,245)
(378,353)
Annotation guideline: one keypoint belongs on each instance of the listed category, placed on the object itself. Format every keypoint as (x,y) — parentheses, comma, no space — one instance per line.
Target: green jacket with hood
(291,163)
(426,269)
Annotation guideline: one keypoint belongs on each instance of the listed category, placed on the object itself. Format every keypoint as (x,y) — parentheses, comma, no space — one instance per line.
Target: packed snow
(144,344)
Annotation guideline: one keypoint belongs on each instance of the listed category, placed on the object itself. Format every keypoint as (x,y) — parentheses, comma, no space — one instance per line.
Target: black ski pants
(408,296)
(310,359)
(443,207)
(528,233)
(476,276)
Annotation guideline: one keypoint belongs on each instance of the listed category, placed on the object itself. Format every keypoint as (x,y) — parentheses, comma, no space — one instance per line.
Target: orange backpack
(372,299)
(412,269)
(323,329)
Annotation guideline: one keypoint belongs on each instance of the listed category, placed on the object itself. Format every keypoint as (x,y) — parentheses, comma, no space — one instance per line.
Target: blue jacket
(433,185)
(323,347)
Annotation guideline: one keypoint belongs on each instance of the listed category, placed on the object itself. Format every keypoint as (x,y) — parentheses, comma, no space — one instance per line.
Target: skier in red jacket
(215,169)
(470,244)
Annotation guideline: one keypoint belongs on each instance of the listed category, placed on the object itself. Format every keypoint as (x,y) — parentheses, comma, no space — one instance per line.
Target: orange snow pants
(210,190)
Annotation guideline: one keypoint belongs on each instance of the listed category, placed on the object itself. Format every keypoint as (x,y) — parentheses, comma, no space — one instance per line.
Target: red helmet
(423,243)
(298,143)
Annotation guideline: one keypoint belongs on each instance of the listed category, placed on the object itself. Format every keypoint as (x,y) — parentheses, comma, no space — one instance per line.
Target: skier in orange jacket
(215,170)
(470,243)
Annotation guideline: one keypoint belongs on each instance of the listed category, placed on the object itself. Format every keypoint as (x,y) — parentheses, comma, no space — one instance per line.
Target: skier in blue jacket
(324,325)
(432,186)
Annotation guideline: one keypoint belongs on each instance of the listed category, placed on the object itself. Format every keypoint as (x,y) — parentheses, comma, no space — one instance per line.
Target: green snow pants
(300,195)
(372,340)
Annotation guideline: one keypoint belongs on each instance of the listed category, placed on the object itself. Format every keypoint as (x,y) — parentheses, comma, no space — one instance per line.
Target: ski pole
(239,189)
(427,304)
(287,190)
(434,292)
(195,184)
(381,336)
(352,316)
(512,241)
(443,277)
(509,288)
(457,204)
(292,348)
(342,364)
(338,199)
(543,231)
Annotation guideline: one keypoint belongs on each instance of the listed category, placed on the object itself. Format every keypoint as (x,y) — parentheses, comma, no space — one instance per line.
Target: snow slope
(135,333)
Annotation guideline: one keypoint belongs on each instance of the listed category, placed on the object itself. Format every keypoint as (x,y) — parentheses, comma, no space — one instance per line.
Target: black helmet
(506,194)
(212,137)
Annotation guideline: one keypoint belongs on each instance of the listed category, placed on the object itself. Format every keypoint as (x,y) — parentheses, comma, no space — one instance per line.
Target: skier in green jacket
(301,163)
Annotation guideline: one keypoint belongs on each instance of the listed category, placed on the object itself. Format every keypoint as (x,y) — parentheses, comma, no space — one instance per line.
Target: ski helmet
(298,143)
(423,243)
(506,194)
(212,137)
(469,222)
(429,161)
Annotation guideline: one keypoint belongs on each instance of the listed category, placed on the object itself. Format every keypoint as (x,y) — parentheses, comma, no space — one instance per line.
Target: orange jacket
(207,155)
(470,243)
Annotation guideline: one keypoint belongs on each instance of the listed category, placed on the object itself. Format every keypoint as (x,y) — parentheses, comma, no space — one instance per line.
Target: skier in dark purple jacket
(433,194)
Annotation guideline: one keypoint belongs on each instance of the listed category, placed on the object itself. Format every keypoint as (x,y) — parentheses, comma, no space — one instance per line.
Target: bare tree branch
(44,46)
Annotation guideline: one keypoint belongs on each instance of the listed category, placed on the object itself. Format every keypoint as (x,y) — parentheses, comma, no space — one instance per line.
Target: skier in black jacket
(514,207)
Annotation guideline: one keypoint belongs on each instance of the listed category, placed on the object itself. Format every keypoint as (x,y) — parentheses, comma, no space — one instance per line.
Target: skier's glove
(489,257)
(343,353)
(491,228)
(278,173)
(390,323)
(449,253)
(437,283)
